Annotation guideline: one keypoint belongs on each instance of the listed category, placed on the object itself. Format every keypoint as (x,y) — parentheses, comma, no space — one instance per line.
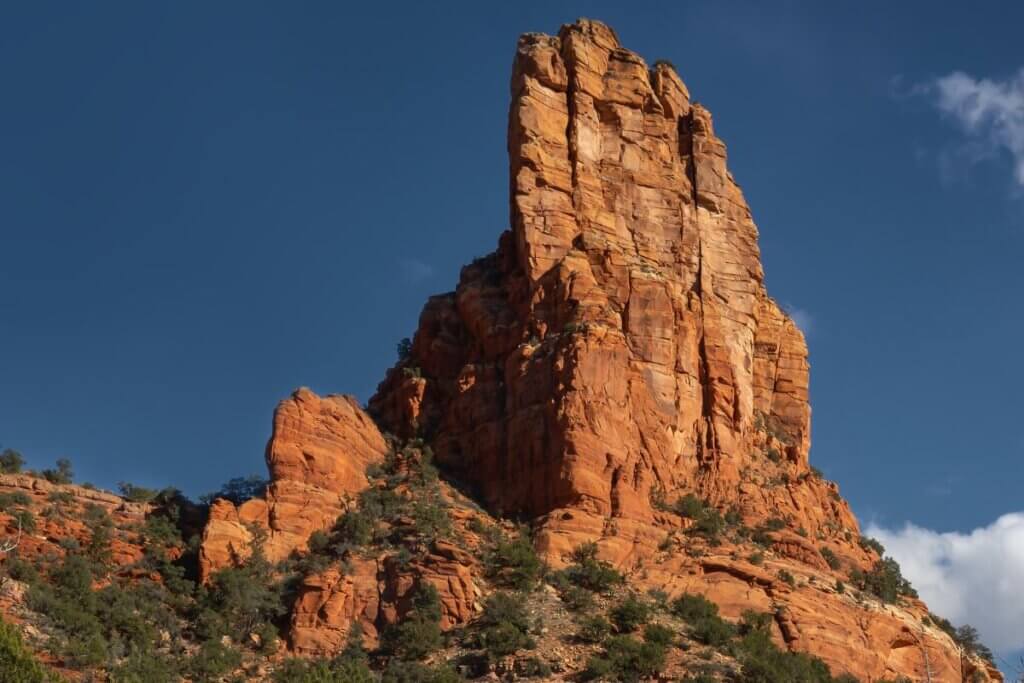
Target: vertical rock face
(619,348)
(620,341)
(317,457)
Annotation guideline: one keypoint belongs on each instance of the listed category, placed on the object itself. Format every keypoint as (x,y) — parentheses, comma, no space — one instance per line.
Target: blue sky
(205,205)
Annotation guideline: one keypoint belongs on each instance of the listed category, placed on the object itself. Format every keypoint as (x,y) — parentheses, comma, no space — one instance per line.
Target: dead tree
(919,639)
(8,546)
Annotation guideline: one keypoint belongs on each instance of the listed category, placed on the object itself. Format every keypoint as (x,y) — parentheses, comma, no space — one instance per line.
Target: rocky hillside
(591,461)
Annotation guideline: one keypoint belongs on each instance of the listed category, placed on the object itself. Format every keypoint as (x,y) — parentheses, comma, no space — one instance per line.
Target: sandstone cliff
(619,348)
(317,456)
(615,372)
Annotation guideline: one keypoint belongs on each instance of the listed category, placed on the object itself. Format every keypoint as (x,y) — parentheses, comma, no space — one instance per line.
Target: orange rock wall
(317,456)
(620,345)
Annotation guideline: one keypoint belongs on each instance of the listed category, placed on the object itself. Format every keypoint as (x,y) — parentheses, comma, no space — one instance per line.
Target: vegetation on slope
(151,621)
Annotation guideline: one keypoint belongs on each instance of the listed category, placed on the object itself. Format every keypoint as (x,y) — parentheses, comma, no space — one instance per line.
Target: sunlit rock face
(620,348)
(616,351)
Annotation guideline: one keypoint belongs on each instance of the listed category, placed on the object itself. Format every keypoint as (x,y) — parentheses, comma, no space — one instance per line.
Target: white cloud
(990,112)
(803,319)
(975,578)
(415,270)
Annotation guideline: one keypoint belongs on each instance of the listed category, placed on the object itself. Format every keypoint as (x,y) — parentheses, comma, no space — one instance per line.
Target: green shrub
(404,348)
(710,525)
(381,503)
(355,527)
(238,600)
(577,599)
(756,558)
(504,625)
(413,672)
(24,519)
(702,616)
(20,570)
(63,473)
(830,557)
(594,629)
(659,598)
(627,659)
(11,461)
(17,665)
(763,662)
(146,667)
(630,614)
(752,620)
(95,515)
(419,634)
(733,516)
(91,627)
(213,660)
(658,634)
(298,670)
(968,639)
(533,667)
(589,572)
(136,494)
(787,577)
(598,669)
(691,608)
(689,506)
(70,605)
(9,501)
(514,563)
(868,543)
(885,581)
(98,550)
(712,631)
(238,490)
(503,639)
(318,542)
(762,538)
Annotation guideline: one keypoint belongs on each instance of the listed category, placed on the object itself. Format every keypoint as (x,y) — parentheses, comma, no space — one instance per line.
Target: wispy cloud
(803,318)
(415,270)
(969,578)
(990,113)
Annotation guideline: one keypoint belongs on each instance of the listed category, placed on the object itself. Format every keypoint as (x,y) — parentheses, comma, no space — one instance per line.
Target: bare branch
(8,546)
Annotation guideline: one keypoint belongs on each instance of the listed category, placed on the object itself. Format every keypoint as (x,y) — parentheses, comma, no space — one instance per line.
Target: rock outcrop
(377,592)
(58,513)
(317,456)
(619,349)
(620,341)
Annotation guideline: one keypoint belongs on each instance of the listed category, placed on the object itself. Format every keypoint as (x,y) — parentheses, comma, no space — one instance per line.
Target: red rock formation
(51,529)
(317,457)
(378,592)
(620,346)
(618,349)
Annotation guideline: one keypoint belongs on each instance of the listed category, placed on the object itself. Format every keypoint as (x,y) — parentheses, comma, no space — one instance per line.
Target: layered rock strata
(618,350)
(317,457)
